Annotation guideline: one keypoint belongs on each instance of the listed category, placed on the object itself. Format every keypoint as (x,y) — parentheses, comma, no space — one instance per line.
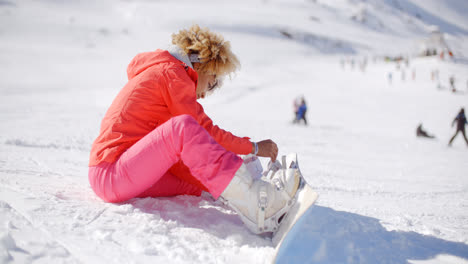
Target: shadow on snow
(326,236)
(329,236)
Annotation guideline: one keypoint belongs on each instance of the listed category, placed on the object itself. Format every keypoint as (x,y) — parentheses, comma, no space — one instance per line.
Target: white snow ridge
(385,195)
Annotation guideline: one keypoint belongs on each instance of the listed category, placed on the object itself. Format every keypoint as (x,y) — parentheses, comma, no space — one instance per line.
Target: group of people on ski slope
(156,140)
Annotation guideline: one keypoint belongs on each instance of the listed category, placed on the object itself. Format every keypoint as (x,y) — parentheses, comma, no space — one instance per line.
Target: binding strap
(262,205)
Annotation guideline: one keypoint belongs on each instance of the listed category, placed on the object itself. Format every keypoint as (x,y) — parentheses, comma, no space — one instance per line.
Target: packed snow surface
(385,196)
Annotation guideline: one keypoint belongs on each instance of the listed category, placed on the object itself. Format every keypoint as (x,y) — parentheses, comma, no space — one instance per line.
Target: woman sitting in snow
(156,140)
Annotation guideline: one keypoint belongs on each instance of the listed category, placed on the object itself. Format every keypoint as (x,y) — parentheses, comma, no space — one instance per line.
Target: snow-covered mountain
(386,196)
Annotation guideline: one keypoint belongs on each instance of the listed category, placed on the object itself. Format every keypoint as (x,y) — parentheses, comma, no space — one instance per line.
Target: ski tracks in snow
(72,223)
(22,242)
(49,197)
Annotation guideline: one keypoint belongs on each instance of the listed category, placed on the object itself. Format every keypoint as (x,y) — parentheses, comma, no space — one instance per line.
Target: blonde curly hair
(214,53)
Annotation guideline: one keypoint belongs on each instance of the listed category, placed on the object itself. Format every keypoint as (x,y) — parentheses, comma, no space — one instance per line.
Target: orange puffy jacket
(159,88)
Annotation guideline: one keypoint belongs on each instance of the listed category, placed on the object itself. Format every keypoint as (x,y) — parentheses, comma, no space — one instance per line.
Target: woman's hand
(267,148)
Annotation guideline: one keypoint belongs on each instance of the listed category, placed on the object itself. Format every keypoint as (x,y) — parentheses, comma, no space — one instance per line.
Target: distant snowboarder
(461,121)
(301,112)
(420,132)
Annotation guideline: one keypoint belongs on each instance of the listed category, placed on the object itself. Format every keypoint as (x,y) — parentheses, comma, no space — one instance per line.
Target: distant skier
(420,132)
(452,83)
(301,112)
(461,121)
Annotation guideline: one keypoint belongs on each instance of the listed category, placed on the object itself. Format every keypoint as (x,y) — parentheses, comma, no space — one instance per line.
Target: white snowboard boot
(260,204)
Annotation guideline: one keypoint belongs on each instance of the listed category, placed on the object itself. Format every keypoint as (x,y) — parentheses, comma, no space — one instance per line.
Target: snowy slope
(385,195)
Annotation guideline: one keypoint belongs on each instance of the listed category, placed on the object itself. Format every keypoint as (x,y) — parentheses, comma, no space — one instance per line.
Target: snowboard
(290,227)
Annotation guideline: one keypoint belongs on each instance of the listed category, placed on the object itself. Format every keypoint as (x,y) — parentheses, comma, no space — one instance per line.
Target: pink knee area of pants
(144,164)
(100,178)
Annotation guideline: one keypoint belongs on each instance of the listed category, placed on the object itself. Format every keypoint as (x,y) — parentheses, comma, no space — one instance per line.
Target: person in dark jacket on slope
(461,121)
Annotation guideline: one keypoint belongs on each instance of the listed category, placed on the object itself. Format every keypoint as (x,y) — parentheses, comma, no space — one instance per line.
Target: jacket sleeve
(180,96)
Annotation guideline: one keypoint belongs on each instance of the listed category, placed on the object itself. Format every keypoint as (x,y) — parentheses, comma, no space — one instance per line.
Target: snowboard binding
(287,179)
(281,174)
(264,200)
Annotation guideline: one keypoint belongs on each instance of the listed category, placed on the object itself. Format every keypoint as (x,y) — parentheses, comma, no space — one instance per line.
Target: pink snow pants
(143,168)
